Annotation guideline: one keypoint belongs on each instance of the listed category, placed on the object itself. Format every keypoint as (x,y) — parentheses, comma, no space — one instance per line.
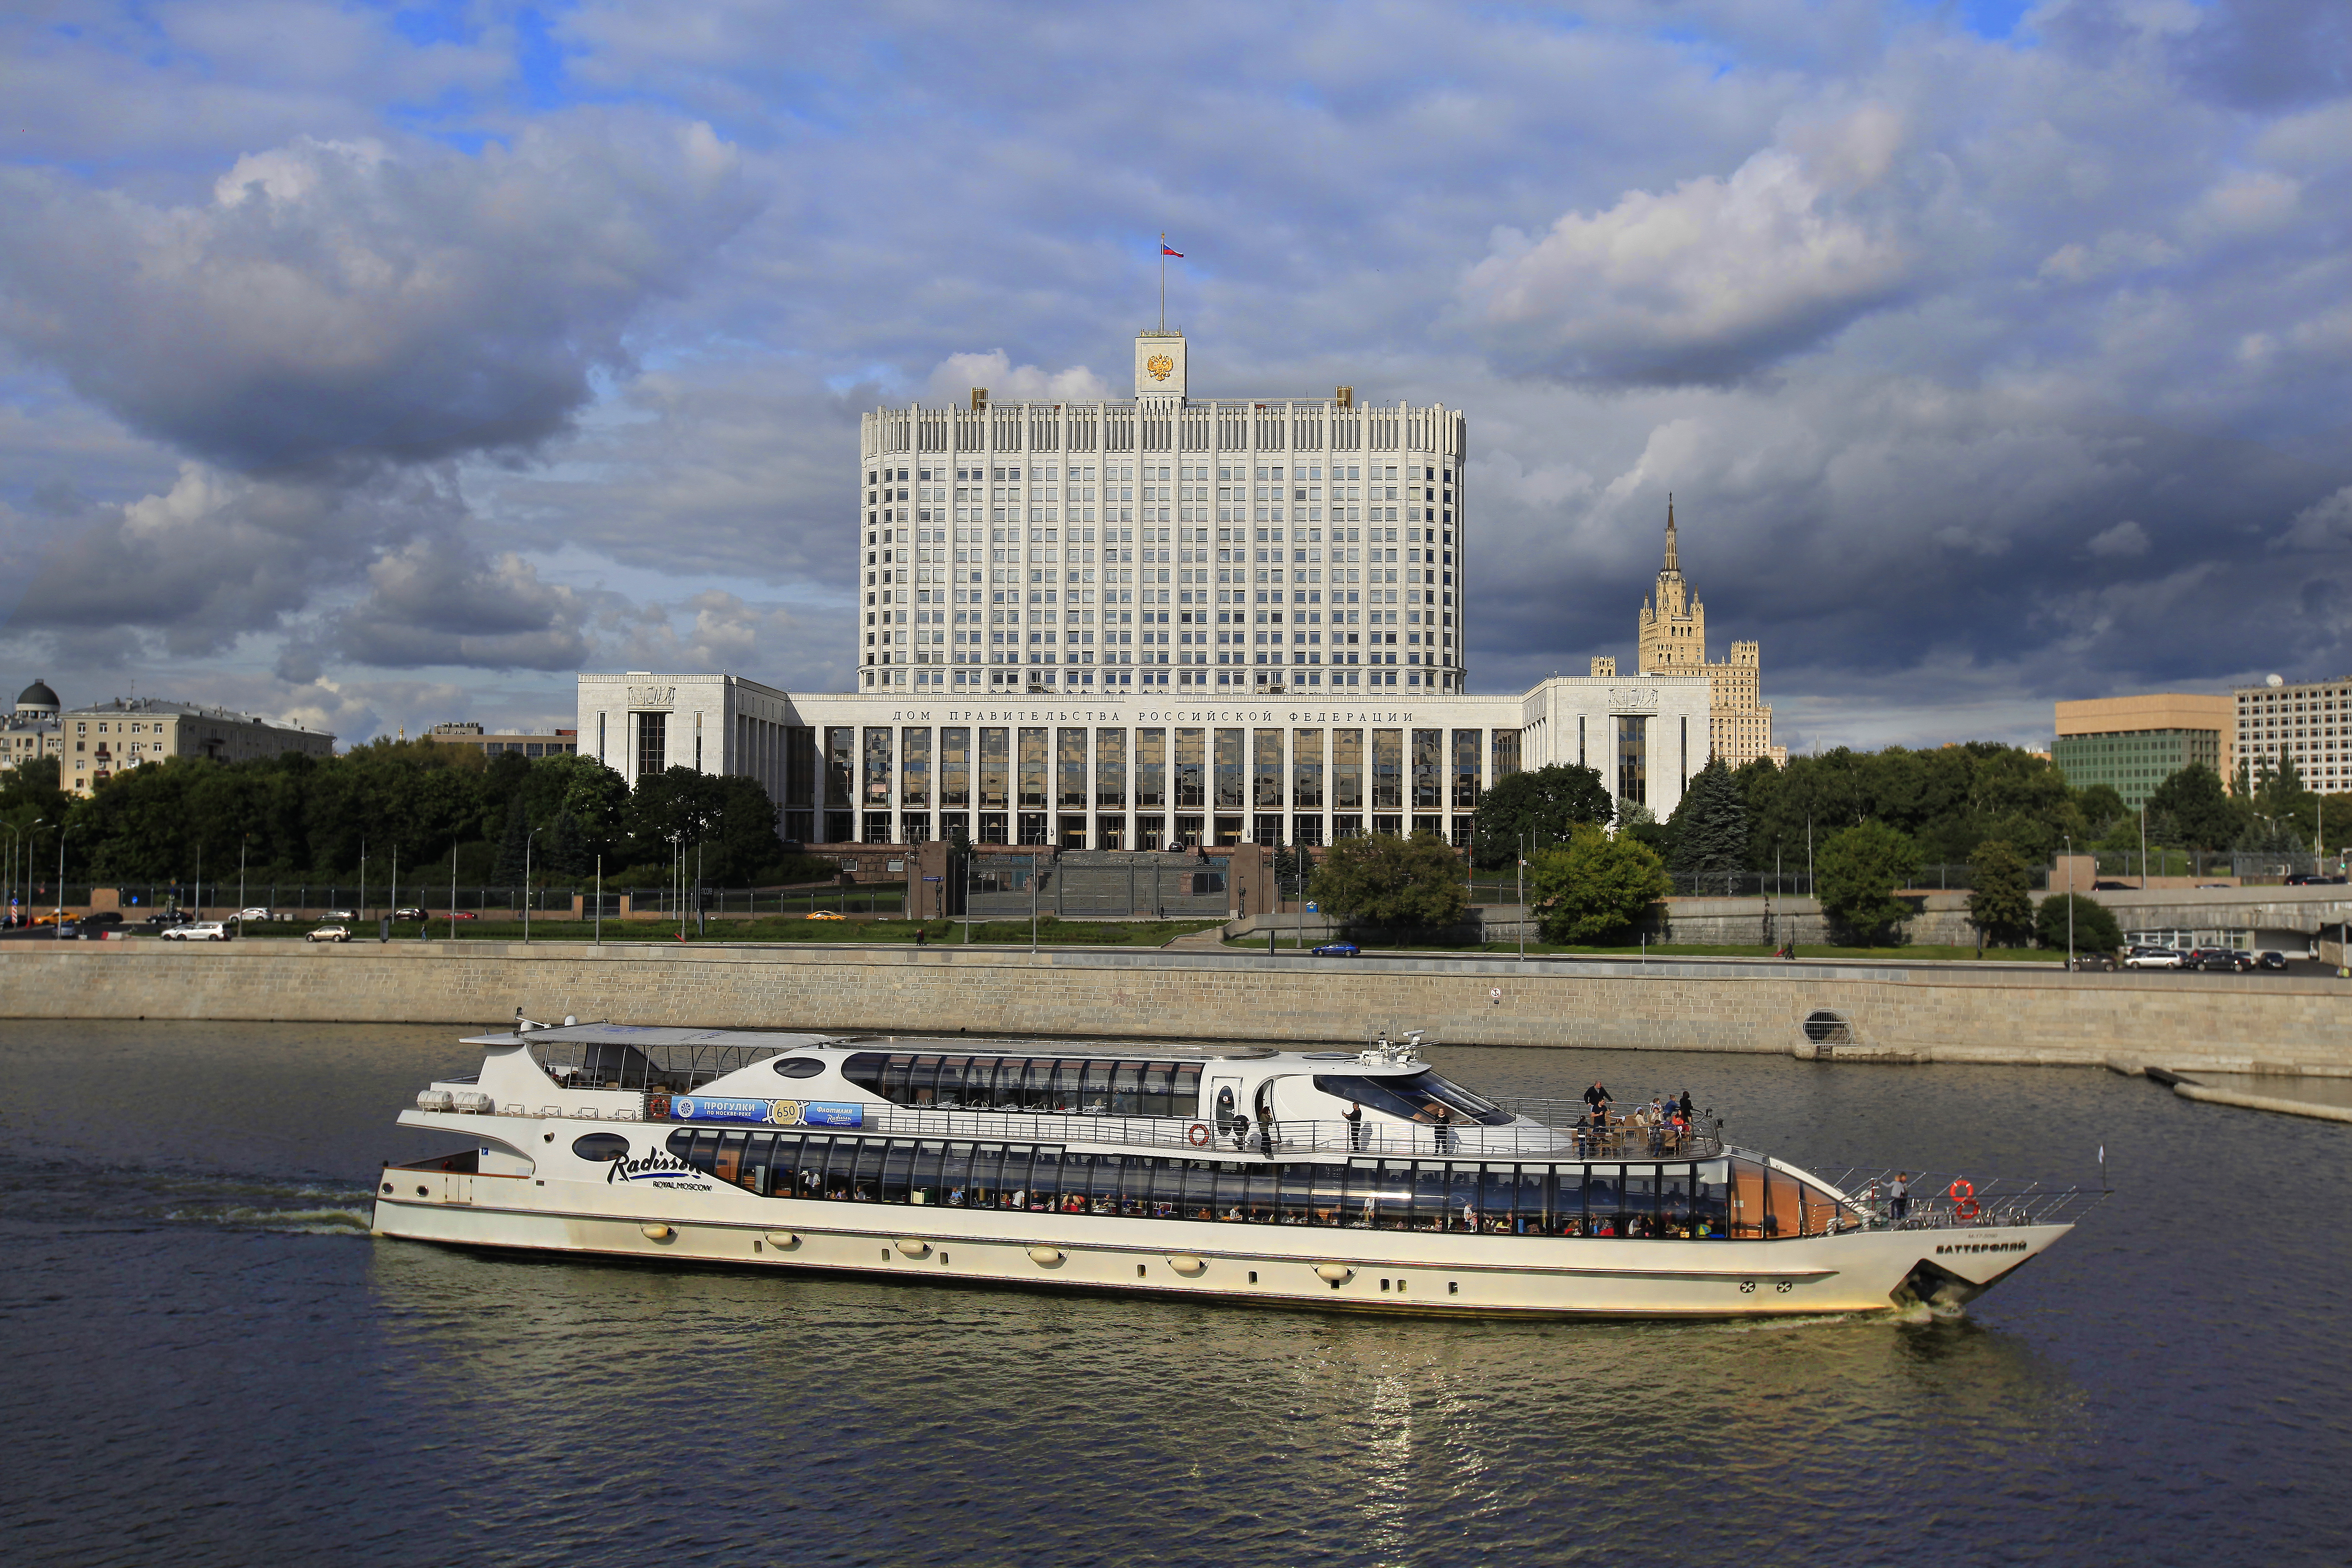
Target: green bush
(1597,889)
(1856,878)
(2094,927)
(1384,880)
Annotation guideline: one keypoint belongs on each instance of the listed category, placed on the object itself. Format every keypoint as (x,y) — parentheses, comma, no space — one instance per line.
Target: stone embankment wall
(1888,1012)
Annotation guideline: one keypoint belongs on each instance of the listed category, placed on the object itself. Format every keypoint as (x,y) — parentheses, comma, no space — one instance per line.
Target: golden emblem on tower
(1160,366)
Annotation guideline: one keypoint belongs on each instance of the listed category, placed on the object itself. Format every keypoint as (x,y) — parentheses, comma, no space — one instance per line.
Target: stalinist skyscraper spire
(1671,640)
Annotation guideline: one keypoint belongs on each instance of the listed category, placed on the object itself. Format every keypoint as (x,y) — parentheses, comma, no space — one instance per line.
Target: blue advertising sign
(817,1113)
(705,1108)
(766,1112)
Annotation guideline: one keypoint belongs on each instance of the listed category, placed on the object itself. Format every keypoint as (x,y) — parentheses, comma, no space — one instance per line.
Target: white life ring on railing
(1197,1135)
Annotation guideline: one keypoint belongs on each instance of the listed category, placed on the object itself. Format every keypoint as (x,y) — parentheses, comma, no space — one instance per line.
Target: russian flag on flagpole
(1164,250)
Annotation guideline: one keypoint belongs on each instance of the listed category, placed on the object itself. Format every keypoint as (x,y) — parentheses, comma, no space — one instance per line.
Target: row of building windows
(1046,678)
(1716,1198)
(1414,476)
(890,544)
(1080,830)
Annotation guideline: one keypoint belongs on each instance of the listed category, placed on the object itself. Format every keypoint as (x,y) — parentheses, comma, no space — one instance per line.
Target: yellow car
(825,915)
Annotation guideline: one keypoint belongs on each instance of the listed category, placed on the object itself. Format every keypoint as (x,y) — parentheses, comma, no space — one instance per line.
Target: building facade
(1163,547)
(521,742)
(32,729)
(99,741)
(2309,722)
(1142,770)
(2132,744)
(1671,640)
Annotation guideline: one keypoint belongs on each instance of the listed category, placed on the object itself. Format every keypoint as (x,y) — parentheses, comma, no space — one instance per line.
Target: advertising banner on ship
(766,1112)
(816,1114)
(710,1108)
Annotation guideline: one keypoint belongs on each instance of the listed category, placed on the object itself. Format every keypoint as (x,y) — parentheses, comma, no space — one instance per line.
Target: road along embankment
(1923,1012)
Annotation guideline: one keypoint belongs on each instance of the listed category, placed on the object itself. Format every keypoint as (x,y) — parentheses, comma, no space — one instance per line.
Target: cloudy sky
(375,365)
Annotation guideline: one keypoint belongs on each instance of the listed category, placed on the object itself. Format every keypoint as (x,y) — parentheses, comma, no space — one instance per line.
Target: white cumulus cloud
(1709,281)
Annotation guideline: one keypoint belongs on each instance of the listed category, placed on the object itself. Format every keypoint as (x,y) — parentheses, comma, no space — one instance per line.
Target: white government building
(1124,625)
(1142,770)
(1265,544)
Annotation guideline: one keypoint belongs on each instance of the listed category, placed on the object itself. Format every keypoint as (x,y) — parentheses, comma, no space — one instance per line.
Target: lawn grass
(786,928)
(1922,953)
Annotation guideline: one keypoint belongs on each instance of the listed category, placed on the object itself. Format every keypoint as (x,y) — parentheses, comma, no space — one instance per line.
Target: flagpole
(1163,280)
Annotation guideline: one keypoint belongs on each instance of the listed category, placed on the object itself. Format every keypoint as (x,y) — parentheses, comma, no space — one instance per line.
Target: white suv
(2154,958)
(200,930)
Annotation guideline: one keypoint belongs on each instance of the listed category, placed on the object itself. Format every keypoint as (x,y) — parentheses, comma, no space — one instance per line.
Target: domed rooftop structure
(38,701)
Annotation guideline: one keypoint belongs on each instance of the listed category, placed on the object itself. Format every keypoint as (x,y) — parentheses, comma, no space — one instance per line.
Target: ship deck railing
(1205,1139)
(1287,1138)
(1984,1203)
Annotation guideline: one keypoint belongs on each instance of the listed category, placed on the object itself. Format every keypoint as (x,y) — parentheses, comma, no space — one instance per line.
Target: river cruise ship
(1360,1180)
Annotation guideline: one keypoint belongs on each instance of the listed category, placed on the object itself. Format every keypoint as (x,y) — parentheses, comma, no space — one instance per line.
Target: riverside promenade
(1887,1013)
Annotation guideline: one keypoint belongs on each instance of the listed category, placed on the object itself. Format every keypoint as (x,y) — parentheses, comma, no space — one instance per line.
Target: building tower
(1239,546)
(1671,640)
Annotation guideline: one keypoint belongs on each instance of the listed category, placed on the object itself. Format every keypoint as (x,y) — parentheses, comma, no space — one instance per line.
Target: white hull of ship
(1375,1270)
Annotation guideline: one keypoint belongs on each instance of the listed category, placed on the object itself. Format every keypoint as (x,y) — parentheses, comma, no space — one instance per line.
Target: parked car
(2099,886)
(329,933)
(201,930)
(463,915)
(2312,879)
(2093,962)
(2153,958)
(1338,950)
(410,912)
(2218,960)
(92,926)
(342,914)
(256,912)
(2269,959)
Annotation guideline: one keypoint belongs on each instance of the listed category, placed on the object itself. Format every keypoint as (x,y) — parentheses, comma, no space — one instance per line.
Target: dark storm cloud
(332,301)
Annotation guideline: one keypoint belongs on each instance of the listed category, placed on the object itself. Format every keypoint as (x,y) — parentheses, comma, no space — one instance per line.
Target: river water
(209,1361)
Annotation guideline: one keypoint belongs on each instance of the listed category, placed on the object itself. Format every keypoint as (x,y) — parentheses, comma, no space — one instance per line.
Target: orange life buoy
(1965,1209)
(1198,1135)
(1960,1191)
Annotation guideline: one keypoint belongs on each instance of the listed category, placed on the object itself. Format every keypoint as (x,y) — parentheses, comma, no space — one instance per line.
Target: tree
(2002,903)
(1596,888)
(1637,822)
(1855,877)
(1384,880)
(1537,808)
(1710,826)
(2095,925)
(2199,812)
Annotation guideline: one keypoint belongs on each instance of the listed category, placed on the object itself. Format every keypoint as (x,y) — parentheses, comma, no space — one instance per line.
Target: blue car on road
(1338,950)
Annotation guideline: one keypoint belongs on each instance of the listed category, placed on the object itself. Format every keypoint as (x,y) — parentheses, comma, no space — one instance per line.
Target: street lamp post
(2069,897)
(600,901)
(1522,848)
(242,846)
(526,883)
(57,926)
